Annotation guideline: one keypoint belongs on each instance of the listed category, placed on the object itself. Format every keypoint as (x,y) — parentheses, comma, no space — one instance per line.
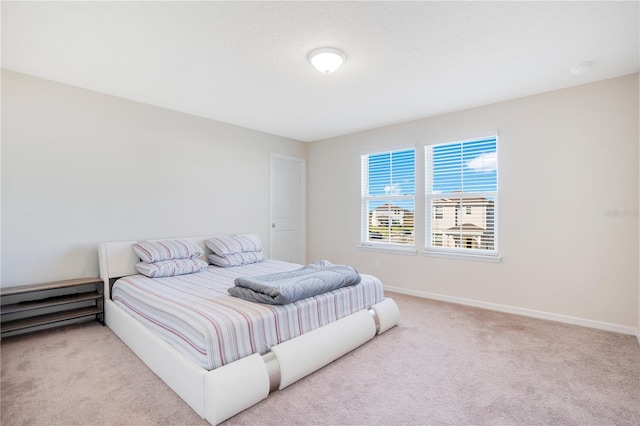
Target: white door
(288,209)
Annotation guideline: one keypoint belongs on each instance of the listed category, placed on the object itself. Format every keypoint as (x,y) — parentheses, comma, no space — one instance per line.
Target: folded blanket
(287,287)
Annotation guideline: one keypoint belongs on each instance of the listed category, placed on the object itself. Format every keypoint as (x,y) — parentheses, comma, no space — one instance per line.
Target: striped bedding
(197,316)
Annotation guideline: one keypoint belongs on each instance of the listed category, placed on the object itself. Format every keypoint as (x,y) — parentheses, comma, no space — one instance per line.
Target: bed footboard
(234,387)
(241,384)
(219,394)
(309,352)
(387,315)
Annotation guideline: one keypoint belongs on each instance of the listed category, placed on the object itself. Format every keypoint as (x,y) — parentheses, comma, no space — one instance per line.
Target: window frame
(365,199)
(432,250)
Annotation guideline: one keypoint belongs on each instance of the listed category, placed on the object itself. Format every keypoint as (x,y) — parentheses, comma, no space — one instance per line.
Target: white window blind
(388,198)
(461,197)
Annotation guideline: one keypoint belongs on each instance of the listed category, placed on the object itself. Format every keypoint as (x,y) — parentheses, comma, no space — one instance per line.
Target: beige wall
(568,182)
(80,167)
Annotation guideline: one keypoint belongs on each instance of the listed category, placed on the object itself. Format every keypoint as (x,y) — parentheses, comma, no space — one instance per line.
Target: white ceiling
(245,63)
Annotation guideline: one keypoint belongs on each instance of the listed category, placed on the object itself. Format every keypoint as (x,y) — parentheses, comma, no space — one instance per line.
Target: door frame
(302,208)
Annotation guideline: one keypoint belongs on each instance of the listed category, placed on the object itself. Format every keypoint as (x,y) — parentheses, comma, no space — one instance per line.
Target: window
(439,212)
(388,198)
(461,191)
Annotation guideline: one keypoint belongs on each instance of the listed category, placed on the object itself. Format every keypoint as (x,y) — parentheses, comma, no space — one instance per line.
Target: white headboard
(117,258)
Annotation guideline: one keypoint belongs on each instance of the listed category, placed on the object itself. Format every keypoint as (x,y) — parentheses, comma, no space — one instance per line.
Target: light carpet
(444,364)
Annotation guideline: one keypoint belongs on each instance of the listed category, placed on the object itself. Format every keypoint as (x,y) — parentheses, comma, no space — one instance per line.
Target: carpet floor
(444,364)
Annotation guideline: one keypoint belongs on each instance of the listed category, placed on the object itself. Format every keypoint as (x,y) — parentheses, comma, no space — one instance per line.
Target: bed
(220,388)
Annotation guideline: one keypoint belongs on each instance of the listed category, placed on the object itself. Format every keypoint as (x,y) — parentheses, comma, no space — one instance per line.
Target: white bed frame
(219,394)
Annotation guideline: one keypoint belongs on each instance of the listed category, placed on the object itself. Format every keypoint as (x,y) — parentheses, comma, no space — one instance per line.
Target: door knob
(273,225)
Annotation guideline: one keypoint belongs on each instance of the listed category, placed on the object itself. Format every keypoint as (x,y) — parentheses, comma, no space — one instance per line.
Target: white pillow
(156,251)
(170,268)
(236,259)
(224,245)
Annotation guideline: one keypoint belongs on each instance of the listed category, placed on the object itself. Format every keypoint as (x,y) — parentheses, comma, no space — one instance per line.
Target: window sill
(408,251)
(462,256)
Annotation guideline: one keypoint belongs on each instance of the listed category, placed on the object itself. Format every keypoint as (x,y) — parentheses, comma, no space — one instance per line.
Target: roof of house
(389,206)
(465,227)
(471,202)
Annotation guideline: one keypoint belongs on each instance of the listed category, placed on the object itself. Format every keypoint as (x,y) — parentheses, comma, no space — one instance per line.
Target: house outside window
(388,198)
(438,212)
(462,194)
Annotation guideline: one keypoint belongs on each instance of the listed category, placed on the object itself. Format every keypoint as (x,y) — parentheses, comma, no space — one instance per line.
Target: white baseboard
(521,311)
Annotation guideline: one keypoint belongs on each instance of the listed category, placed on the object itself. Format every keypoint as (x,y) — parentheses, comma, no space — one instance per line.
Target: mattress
(196,315)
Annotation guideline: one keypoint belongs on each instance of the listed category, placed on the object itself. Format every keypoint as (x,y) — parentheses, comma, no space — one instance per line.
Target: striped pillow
(156,251)
(236,259)
(230,244)
(170,268)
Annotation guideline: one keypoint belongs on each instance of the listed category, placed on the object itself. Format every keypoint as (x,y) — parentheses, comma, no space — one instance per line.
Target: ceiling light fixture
(327,59)
(580,68)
